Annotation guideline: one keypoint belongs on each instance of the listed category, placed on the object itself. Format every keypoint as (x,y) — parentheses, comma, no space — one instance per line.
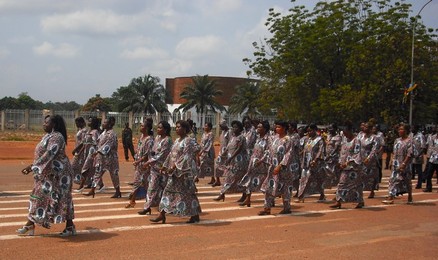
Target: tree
(246,99)
(97,103)
(201,95)
(345,59)
(142,95)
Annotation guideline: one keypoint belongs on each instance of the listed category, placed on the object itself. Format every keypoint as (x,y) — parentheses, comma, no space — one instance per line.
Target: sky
(71,50)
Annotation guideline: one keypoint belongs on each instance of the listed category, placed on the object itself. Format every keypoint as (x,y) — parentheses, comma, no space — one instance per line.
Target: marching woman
(370,147)
(258,163)
(333,148)
(106,158)
(156,180)
(350,186)
(206,154)
(280,179)
(224,139)
(236,164)
(79,155)
(313,174)
(179,196)
(400,181)
(51,198)
(89,146)
(144,150)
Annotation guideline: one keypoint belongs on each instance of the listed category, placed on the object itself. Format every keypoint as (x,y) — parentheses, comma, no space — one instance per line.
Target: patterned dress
(256,174)
(295,159)
(206,166)
(107,158)
(80,156)
(179,196)
(144,150)
(251,137)
(370,147)
(156,180)
(333,148)
(400,181)
(220,160)
(312,177)
(238,167)
(282,183)
(350,186)
(90,147)
(51,198)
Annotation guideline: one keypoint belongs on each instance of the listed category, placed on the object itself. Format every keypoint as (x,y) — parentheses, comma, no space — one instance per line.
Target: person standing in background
(79,155)
(127,142)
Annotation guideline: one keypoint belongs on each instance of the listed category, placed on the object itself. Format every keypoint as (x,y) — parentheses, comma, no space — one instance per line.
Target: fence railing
(32,120)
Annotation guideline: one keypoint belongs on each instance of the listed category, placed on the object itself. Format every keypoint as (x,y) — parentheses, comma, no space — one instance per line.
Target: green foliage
(346,59)
(245,100)
(142,95)
(97,103)
(201,95)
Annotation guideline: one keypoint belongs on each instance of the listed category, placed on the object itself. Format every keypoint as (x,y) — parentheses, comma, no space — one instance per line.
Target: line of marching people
(252,158)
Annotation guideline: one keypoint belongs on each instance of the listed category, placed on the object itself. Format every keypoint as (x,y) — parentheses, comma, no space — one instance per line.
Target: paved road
(226,231)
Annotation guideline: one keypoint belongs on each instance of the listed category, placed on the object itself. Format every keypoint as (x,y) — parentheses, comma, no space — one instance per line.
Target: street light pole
(412,63)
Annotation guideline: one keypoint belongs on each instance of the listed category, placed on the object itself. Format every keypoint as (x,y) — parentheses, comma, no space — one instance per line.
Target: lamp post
(412,62)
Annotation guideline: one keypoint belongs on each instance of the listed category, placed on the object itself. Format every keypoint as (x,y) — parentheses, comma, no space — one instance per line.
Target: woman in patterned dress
(400,181)
(370,147)
(206,154)
(90,147)
(258,163)
(179,196)
(224,139)
(79,155)
(156,180)
(313,174)
(236,164)
(280,179)
(350,186)
(106,158)
(51,198)
(333,148)
(144,150)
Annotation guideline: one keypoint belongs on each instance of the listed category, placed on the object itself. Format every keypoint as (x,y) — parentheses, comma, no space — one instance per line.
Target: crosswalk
(103,214)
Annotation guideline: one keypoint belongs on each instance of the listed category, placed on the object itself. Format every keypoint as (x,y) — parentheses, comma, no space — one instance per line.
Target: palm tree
(201,95)
(143,95)
(246,99)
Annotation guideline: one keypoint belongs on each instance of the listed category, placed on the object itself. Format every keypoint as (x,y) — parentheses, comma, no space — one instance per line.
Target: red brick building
(175,86)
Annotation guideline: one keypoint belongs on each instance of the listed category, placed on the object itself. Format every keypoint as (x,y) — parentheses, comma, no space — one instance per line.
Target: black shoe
(145,212)
(193,219)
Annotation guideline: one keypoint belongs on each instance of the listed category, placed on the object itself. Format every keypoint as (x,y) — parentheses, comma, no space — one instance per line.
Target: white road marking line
(203,222)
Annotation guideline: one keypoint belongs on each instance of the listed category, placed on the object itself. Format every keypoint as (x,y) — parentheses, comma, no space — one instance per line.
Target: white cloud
(64,50)
(193,47)
(90,22)
(3,52)
(136,41)
(144,53)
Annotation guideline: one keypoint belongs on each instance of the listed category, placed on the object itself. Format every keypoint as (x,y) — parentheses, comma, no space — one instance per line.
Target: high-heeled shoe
(216,184)
(298,200)
(285,211)
(359,205)
(27,230)
(242,198)
(68,231)
(247,201)
(145,212)
(131,204)
(336,206)
(193,219)
(116,195)
(80,189)
(220,197)
(212,181)
(90,193)
(265,212)
(161,218)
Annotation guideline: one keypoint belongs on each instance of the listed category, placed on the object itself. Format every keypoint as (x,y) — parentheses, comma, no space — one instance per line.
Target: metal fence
(17,119)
